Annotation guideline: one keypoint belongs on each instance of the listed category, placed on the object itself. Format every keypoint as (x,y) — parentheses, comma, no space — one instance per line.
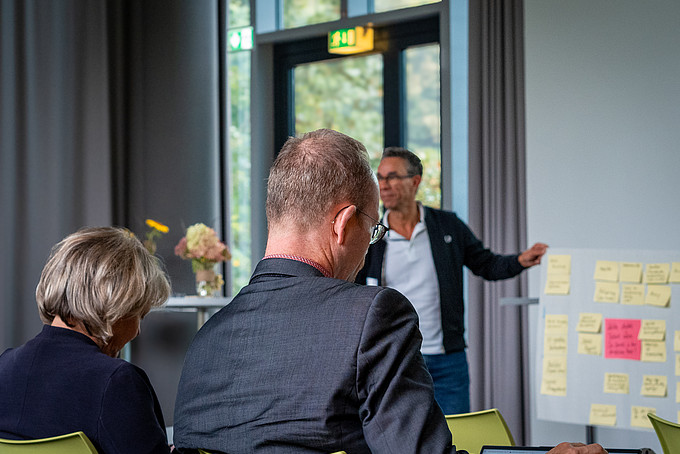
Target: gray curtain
(110,113)
(55,153)
(498,346)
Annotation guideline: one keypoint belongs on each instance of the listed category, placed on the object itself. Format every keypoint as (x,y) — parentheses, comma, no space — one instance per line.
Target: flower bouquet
(202,246)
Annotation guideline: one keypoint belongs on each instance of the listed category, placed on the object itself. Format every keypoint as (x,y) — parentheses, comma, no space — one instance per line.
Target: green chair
(668,433)
(75,443)
(471,431)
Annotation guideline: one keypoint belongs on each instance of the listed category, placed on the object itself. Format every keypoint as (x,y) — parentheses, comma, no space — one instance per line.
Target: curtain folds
(498,347)
(54,142)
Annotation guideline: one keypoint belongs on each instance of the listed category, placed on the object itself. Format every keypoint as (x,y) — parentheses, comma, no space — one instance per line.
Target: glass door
(387,98)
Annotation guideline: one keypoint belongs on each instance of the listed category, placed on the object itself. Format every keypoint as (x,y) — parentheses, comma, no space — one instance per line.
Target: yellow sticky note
(653,352)
(559,264)
(652,330)
(556,365)
(658,295)
(555,344)
(638,416)
(589,323)
(590,344)
(654,386)
(606,292)
(554,381)
(606,271)
(633,294)
(676,342)
(616,383)
(557,323)
(675,273)
(557,284)
(677,393)
(554,385)
(602,415)
(677,364)
(657,273)
(631,272)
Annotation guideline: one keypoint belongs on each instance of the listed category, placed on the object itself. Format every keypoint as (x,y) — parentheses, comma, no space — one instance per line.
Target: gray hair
(98,276)
(314,172)
(413,164)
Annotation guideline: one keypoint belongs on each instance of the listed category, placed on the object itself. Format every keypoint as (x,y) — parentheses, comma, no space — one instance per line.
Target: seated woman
(94,290)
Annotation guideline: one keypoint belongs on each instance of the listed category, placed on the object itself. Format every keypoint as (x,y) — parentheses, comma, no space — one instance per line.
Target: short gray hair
(98,276)
(413,164)
(314,172)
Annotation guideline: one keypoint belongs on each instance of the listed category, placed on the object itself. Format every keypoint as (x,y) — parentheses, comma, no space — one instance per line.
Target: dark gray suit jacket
(301,363)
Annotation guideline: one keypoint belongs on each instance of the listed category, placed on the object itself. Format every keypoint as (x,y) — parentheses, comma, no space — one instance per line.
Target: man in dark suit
(303,360)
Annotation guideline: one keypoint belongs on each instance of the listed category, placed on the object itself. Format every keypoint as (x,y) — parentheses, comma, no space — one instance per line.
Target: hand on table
(577,448)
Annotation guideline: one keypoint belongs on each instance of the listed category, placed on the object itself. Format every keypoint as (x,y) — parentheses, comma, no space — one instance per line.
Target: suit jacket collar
(276,267)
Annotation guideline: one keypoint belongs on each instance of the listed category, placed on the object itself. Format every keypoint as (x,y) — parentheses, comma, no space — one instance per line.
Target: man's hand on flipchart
(532,256)
(577,448)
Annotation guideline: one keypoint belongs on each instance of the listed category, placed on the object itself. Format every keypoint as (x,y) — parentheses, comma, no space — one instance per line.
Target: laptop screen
(542,450)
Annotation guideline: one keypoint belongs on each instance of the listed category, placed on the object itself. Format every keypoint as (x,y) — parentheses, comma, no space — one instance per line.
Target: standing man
(303,360)
(422,256)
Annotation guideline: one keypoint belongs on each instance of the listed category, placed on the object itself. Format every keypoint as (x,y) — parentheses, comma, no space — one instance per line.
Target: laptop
(544,449)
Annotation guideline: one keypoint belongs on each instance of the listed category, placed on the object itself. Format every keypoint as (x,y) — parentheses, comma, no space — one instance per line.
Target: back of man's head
(315,172)
(413,164)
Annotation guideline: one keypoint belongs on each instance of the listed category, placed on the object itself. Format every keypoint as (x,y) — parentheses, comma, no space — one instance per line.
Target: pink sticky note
(621,338)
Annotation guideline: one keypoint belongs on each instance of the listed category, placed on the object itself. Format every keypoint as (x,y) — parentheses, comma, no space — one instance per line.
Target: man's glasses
(379,229)
(391,177)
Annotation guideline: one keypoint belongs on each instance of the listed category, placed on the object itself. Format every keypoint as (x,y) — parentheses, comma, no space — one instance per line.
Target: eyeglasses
(391,177)
(379,229)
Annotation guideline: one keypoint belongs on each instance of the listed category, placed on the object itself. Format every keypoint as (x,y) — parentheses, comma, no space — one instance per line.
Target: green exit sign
(350,40)
(240,39)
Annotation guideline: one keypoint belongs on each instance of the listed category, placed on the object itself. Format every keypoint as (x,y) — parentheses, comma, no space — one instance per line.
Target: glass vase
(205,280)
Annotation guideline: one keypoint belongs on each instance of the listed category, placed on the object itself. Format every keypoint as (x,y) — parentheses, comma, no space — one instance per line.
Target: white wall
(603,140)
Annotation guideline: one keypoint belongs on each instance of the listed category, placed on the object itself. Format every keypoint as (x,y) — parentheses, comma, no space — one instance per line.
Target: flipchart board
(609,337)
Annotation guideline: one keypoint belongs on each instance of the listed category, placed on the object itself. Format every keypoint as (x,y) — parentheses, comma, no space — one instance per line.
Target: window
(238,154)
(297,13)
(423,119)
(358,112)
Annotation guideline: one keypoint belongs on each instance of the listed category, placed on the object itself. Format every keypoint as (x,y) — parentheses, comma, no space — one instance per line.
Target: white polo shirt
(409,268)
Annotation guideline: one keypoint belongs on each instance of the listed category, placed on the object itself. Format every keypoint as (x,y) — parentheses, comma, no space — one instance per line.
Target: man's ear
(341,221)
(416,181)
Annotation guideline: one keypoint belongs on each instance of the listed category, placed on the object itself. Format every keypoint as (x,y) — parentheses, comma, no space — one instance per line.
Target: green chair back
(75,443)
(668,433)
(471,431)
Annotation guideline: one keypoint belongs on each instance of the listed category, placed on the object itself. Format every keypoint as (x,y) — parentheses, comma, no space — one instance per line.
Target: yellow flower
(157,225)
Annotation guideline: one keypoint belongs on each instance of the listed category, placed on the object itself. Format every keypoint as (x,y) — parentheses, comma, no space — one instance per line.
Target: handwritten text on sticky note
(621,339)
(652,330)
(606,292)
(616,383)
(633,294)
(602,415)
(590,344)
(638,416)
(589,323)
